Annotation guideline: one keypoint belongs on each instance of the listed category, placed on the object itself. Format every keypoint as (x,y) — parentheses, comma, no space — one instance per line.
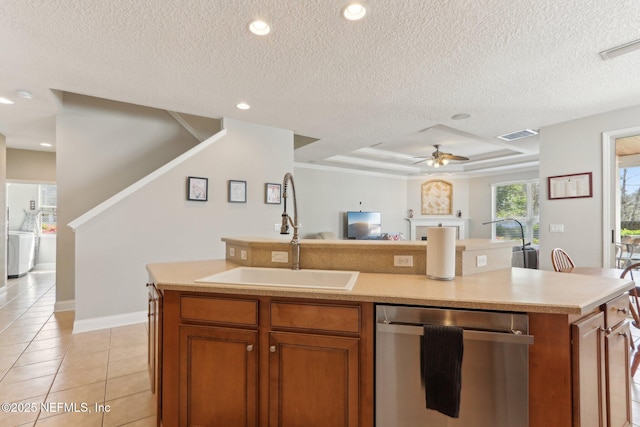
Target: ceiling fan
(438,158)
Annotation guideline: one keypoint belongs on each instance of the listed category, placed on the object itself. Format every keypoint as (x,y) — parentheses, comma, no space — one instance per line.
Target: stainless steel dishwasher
(495,368)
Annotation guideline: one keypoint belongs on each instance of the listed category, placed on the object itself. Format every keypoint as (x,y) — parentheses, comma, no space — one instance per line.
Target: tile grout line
(32,340)
(36,334)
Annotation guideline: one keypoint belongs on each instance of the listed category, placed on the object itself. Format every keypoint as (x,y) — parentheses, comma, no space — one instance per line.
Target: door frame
(610,225)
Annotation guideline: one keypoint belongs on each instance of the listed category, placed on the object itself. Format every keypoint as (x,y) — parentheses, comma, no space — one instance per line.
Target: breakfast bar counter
(514,289)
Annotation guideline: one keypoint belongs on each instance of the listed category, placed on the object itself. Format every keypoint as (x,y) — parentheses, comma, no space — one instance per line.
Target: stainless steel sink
(257,276)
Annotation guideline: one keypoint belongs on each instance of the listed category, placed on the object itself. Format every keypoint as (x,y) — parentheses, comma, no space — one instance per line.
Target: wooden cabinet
(153,331)
(154,353)
(218,376)
(589,406)
(264,361)
(314,380)
(618,377)
(601,377)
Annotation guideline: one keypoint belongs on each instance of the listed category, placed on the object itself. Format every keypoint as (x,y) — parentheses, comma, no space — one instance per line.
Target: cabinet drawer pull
(623,310)
(250,347)
(272,349)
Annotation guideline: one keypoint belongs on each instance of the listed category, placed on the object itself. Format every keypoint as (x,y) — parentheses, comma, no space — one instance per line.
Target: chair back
(561,260)
(629,270)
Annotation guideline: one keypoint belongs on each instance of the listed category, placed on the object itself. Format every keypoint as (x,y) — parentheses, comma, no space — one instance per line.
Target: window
(630,198)
(48,205)
(519,201)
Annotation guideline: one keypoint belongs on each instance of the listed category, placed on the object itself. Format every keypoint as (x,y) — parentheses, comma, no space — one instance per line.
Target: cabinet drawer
(318,317)
(219,310)
(616,310)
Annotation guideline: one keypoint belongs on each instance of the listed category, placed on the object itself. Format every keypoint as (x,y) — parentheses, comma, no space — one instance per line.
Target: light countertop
(516,289)
(463,244)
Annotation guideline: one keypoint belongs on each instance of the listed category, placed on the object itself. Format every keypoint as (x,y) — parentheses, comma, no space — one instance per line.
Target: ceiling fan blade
(452,156)
(420,161)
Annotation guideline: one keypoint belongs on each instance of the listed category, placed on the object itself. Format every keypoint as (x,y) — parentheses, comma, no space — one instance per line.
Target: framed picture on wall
(237,191)
(436,197)
(570,186)
(272,194)
(197,189)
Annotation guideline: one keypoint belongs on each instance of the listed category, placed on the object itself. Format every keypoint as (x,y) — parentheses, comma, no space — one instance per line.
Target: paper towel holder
(447,265)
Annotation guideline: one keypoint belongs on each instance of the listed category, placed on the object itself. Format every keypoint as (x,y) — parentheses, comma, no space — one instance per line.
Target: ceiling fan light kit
(438,158)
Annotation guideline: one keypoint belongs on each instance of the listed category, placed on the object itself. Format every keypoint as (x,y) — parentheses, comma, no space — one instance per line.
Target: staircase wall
(157,223)
(102,147)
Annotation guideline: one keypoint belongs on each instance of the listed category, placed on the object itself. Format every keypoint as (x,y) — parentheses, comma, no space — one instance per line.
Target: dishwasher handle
(468,334)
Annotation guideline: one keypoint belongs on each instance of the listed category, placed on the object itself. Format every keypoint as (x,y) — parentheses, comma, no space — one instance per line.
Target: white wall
(102,147)
(158,224)
(576,147)
(325,194)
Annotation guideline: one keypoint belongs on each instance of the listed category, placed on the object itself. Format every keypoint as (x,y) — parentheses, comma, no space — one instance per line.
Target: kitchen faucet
(286,219)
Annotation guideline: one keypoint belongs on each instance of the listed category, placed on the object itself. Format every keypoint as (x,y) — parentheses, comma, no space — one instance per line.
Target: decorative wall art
(197,189)
(272,195)
(437,196)
(570,186)
(237,191)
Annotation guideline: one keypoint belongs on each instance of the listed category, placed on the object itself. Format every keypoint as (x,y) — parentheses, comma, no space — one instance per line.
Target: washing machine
(20,253)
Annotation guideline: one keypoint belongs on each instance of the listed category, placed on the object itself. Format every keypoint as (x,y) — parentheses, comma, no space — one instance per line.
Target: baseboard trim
(68,305)
(107,322)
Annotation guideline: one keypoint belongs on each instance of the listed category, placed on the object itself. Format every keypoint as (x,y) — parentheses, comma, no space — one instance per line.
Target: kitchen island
(270,325)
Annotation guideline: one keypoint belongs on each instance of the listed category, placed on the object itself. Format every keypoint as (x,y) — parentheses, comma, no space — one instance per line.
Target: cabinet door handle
(250,347)
(272,349)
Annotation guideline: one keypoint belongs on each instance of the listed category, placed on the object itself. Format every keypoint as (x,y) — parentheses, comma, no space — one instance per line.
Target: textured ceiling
(407,66)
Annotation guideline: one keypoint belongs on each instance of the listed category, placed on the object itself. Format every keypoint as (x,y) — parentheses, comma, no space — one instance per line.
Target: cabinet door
(218,377)
(589,372)
(618,376)
(313,380)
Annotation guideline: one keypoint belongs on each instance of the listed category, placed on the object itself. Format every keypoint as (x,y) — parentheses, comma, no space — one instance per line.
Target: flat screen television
(363,225)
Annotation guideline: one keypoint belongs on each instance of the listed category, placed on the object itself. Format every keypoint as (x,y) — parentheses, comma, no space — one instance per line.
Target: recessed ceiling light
(354,12)
(259,28)
(461,116)
(46,144)
(24,94)
(6,101)
(243,106)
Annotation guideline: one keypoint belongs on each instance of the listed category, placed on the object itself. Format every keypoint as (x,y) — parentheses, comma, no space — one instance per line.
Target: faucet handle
(284,228)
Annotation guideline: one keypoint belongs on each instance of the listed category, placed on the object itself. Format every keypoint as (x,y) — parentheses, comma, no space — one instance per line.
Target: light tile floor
(51,377)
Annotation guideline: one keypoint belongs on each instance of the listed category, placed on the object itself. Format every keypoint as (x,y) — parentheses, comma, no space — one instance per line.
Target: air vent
(517,135)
